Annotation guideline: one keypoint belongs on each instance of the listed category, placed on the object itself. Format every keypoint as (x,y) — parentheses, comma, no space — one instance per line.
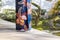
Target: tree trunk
(36,21)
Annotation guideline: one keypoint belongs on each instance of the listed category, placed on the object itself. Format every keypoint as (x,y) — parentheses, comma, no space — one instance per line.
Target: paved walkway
(6,33)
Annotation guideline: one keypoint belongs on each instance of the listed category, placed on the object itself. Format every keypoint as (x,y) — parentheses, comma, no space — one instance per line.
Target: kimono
(23,15)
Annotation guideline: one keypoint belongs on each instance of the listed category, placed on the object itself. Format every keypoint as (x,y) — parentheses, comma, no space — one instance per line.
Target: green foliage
(42,25)
(36,5)
(0,0)
(58,33)
(43,11)
(57,21)
(36,13)
(9,15)
(57,7)
(0,4)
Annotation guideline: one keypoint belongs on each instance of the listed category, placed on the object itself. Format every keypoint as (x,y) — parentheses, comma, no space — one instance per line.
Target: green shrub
(9,16)
(57,21)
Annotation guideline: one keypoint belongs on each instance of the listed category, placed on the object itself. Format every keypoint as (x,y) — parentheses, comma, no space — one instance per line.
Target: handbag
(19,19)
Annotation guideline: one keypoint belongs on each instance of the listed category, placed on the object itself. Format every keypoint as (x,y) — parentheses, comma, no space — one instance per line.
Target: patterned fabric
(23,14)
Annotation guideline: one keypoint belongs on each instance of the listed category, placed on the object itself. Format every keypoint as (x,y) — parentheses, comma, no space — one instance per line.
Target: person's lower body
(29,21)
(30,26)
(26,25)
(19,28)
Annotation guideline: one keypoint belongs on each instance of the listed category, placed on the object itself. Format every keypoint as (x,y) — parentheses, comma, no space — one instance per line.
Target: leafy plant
(9,16)
(36,13)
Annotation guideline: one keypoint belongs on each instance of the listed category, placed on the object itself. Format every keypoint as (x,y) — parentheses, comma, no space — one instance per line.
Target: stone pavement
(8,32)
